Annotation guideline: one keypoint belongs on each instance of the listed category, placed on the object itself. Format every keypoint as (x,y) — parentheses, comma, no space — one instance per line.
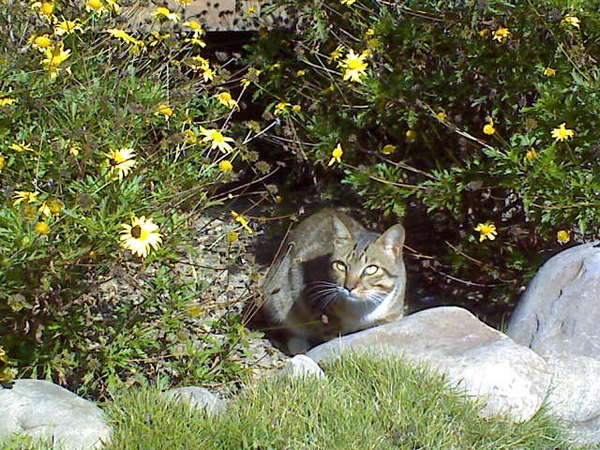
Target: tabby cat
(333,277)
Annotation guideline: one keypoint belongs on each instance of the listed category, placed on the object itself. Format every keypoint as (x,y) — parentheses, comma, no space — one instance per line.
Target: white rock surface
(302,366)
(41,409)
(198,398)
(574,395)
(560,310)
(508,378)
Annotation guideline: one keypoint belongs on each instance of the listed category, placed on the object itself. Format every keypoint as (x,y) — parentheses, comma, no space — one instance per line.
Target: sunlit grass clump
(363,404)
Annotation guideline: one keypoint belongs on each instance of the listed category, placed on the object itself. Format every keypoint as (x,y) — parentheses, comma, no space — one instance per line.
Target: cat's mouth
(322,294)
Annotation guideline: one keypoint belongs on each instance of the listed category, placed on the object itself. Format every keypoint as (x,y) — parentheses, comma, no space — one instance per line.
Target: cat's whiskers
(328,299)
(322,293)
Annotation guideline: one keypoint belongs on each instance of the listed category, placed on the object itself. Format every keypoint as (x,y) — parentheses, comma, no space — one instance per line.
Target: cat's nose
(350,283)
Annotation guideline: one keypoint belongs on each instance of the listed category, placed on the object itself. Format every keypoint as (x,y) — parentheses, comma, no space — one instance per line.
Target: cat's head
(367,265)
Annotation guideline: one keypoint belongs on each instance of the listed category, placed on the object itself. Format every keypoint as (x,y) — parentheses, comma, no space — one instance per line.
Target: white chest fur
(387,309)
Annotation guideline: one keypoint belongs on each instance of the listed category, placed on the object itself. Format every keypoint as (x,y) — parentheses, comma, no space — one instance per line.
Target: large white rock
(560,310)
(41,409)
(508,378)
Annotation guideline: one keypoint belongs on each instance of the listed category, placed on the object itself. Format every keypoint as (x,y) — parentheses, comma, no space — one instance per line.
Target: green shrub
(99,129)
(451,107)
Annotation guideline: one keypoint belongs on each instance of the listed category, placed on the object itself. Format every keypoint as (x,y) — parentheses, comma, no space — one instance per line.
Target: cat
(333,277)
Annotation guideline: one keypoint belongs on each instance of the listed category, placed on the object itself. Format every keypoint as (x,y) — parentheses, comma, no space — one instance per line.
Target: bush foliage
(102,127)
(480,113)
(456,106)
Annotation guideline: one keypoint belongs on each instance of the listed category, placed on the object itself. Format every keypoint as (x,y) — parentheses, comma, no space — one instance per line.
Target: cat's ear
(392,240)
(341,231)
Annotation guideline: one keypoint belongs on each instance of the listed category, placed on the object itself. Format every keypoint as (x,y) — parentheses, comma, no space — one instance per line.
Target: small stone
(302,366)
(198,398)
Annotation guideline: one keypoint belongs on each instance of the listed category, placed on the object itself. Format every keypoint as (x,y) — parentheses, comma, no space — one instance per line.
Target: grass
(363,404)
(24,443)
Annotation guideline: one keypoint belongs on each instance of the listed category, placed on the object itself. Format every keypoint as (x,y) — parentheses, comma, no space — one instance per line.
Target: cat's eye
(338,265)
(370,270)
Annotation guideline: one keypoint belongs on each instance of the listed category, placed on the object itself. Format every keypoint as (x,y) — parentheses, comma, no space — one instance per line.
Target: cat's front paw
(297,345)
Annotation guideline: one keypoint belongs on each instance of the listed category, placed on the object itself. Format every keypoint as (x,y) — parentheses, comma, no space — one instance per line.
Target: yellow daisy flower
(242,221)
(561,133)
(54,57)
(208,74)
(531,155)
(195,27)
(45,8)
(123,35)
(66,27)
(198,33)
(25,196)
(281,108)
(41,42)
(354,66)
(486,231)
(41,228)
(2,162)
(388,149)
(336,155)
(121,161)
(501,35)
(95,5)
(199,63)
(563,236)
(163,13)
(44,209)
(19,148)
(489,127)
(441,116)
(549,72)
(52,206)
(348,2)
(74,148)
(571,20)
(190,137)
(140,236)
(225,166)
(217,140)
(195,40)
(56,206)
(202,65)
(164,110)
(225,99)
(337,53)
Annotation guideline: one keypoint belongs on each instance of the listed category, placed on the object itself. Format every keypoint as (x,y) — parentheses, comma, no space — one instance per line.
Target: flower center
(355,64)
(216,136)
(136,232)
